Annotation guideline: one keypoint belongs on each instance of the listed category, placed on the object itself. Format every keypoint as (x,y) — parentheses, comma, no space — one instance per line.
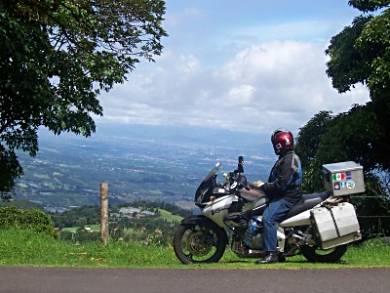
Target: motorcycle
(320,225)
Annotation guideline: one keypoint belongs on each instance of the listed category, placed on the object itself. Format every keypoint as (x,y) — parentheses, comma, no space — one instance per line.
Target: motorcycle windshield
(206,185)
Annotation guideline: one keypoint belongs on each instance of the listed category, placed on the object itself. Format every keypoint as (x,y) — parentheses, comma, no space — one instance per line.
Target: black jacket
(285,179)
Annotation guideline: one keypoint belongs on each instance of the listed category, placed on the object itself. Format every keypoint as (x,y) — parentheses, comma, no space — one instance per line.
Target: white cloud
(241,95)
(262,87)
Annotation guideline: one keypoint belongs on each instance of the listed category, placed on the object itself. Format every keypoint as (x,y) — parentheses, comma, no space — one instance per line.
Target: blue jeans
(272,216)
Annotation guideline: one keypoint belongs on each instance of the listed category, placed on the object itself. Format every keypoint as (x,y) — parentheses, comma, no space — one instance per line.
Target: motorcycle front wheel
(314,254)
(199,243)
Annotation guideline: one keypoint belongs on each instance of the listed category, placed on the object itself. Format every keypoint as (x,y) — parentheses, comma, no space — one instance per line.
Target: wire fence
(375,225)
(373,216)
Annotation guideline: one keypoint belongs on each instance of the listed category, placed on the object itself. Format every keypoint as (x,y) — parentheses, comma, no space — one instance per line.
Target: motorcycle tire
(220,244)
(313,254)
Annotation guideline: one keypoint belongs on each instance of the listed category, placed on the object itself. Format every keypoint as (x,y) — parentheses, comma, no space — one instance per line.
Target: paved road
(42,280)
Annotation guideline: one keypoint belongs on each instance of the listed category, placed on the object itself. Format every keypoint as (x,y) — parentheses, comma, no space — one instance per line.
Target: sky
(240,65)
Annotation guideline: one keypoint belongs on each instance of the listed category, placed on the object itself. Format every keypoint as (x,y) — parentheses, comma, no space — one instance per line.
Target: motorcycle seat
(307,202)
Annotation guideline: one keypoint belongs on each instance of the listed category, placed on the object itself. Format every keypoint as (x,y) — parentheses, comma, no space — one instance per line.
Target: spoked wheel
(199,243)
(315,254)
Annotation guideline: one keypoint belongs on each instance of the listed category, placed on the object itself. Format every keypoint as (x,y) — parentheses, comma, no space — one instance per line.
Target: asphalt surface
(63,280)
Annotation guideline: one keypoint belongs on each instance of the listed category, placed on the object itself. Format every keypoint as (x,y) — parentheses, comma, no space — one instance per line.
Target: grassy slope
(29,248)
(94,228)
(169,217)
(164,214)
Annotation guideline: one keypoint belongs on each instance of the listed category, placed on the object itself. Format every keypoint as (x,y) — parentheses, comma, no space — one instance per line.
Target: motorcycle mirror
(240,166)
(218,164)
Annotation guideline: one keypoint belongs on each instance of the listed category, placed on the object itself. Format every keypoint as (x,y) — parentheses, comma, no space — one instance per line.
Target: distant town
(68,169)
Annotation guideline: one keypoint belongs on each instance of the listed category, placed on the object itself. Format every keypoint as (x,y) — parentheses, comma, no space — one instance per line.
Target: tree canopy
(361,54)
(369,5)
(55,58)
(348,136)
(327,138)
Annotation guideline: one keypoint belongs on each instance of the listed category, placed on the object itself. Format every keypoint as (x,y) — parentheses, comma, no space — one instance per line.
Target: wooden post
(104,212)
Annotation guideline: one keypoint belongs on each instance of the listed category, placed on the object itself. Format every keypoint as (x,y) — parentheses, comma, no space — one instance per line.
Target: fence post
(104,212)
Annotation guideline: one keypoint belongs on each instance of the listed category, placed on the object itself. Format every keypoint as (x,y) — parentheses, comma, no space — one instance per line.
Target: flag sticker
(343,181)
(351,184)
(341,176)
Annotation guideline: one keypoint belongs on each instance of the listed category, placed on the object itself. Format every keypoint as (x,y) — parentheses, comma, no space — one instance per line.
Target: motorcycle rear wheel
(199,243)
(315,254)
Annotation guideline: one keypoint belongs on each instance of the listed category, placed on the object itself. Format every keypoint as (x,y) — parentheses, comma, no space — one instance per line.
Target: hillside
(138,162)
(146,222)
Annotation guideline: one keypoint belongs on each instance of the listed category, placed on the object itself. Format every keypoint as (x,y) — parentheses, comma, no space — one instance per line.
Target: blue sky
(242,65)
(203,26)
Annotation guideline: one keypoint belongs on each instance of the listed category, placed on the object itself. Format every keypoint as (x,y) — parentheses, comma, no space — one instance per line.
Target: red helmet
(282,141)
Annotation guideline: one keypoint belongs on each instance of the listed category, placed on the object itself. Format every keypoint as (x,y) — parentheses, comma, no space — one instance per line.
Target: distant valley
(157,163)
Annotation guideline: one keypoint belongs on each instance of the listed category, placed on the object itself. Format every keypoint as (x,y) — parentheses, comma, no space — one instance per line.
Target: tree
(310,136)
(308,141)
(349,136)
(55,58)
(361,54)
(358,54)
(369,5)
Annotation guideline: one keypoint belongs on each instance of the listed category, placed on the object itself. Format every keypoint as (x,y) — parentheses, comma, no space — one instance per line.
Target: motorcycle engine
(253,237)
(257,241)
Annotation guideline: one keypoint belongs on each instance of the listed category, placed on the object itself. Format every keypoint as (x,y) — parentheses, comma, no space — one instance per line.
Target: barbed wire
(373,217)
(371,196)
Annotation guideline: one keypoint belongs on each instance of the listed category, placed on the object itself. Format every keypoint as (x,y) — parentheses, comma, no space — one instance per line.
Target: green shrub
(67,236)
(33,219)
(82,235)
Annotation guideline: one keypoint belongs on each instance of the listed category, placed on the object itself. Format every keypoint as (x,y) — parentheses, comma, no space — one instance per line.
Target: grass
(133,233)
(18,247)
(164,214)
(27,248)
(94,228)
(169,217)
(70,229)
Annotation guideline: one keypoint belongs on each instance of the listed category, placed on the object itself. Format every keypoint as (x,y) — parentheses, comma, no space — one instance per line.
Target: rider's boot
(281,257)
(271,257)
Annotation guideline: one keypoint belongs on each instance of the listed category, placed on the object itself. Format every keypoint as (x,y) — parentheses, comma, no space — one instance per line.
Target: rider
(283,189)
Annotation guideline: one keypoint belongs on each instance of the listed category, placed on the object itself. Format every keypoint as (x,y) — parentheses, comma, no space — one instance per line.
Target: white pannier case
(337,225)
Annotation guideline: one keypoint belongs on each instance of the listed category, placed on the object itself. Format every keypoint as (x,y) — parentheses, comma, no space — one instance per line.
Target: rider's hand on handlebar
(257,184)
